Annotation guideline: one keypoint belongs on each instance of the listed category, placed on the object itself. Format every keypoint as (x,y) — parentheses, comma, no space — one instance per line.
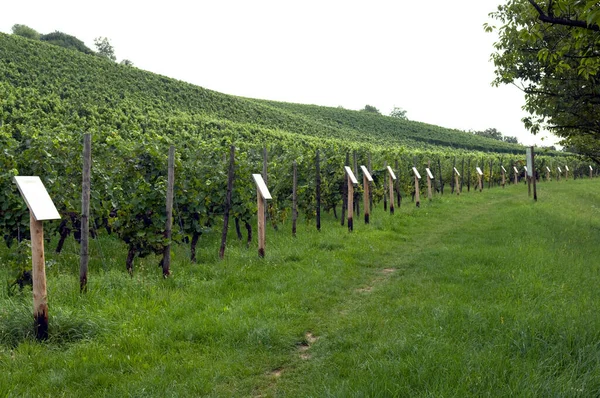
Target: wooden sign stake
(392,178)
(351,181)
(547,173)
(262,195)
(429,178)
(503,176)
(84,257)
(558,174)
(367,179)
(479,174)
(591,172)
(516,174)
(40,208)
(417,189)
(456,175)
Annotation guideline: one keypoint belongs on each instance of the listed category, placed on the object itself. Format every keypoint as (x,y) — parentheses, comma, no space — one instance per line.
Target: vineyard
(50,97)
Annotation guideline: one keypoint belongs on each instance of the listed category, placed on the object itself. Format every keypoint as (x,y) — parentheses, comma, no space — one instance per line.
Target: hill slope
(73,89)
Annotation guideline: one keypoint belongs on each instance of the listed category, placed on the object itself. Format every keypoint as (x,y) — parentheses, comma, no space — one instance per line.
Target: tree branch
(562,21)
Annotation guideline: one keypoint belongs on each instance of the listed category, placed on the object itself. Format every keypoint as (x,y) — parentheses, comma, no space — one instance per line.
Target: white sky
(430,58)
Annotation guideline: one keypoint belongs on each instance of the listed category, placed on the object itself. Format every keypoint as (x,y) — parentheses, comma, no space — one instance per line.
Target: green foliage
(67,41)
(549,48)
(25,31)
(105,50)
(398,113)
(371,109)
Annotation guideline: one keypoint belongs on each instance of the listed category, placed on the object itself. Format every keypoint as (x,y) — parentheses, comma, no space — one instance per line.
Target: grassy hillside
(68,88)
(484,294)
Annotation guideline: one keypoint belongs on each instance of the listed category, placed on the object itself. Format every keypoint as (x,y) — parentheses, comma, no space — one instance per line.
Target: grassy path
(483,294)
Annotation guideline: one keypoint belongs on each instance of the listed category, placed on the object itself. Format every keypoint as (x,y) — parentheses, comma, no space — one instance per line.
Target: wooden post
(351,181)
(456,175)
(85,212)
(417,189)
(558,174)
(230,177)
(38,274)
(429,178)
(385,189)
(40,208)
(566,173)
(370,168)
(533,174)
(503,175)
(262,195)
(591,172)
(367,179)
(547,173)
(516,174)
(391,178)
(295,198)
(491,173)
(265,178)
(166,264)
(318,189)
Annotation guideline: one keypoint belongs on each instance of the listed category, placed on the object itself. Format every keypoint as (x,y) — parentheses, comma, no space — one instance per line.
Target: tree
(550,49)
(64,40)
(126,62)
(511,139)
(490,133)
(398,113)
(370,109)
(104,48)
(25,31)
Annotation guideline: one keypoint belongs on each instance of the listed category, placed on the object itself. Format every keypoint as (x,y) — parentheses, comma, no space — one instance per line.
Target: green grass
(482,294)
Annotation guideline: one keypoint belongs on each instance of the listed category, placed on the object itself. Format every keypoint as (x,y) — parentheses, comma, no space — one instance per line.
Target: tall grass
(482,294)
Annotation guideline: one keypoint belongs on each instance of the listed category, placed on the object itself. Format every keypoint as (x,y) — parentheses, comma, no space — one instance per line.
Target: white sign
(525,168)
(429,173)
(366,173)
(37,198)
(566,167)
(591,168)
(391,172)
(262,187)
(456,171)
(416,173)
(529,168)
(479,171)
(515,169)
(548,168)
(559,170)
(503,169)
(351,175)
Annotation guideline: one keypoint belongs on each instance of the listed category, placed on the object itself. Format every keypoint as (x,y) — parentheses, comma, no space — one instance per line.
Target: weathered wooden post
(295,198)
(559,173)
(84,257)
(516,174)
(479,175)
(429,178)
(566,173)
(503,176)
(367,179)
(262,195)
(591,172)
(547,173)
(456,175)
(351,182)
(417,189)
(41,208)
(166,263)
(392,178)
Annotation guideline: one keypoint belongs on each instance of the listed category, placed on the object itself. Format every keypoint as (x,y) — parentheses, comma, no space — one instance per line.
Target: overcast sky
(430,58)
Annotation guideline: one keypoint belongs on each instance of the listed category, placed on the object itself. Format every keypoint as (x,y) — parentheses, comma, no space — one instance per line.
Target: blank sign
(416,173)
(262,187)
(456,171)
(429,173)
(391,172)
(37,198)
(351,175)
(366,173)
(479,171)
(503,169)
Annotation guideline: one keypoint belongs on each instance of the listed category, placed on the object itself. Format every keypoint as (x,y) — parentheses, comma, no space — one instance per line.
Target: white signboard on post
(456,171)
(366,173)
(351,175)
(37,198)
(416,173)
(525,168)
(479,171)
(429,173)
(515,169)
(262,187)
(559,170)
(503,169)
(548,168)
(529,168)
(566,167)
(391,172)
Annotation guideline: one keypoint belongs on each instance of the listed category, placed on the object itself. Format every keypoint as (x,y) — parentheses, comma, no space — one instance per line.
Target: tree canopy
(25,31)
(550,49)
(370,109)
(398,113)
(104,48)
(65,40)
